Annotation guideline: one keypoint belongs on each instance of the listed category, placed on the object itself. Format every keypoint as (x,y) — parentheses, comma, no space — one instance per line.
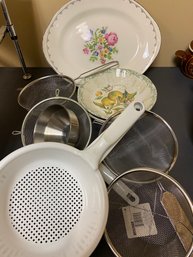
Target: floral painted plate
(84,34)
(113,90)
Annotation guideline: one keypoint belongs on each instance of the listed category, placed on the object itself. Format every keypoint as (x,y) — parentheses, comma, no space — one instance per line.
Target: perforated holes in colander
(45,204)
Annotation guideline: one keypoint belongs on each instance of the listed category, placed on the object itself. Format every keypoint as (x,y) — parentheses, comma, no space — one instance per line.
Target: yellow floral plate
(111,91)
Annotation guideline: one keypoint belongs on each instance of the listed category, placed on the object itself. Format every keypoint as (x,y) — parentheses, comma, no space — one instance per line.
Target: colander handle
(119,187)
(104,143)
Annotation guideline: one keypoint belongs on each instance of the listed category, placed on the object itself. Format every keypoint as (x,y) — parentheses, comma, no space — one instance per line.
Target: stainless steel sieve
(54,86)
(151,142)
(160,225)
(44,88)
(30,126)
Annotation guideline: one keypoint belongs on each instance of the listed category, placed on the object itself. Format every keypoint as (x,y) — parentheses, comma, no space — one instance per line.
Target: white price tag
(139,221)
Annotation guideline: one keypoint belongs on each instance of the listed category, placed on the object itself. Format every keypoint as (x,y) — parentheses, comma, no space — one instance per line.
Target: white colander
(53,199)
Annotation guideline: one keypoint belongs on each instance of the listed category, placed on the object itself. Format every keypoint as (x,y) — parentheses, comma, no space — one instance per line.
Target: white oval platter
(85,33)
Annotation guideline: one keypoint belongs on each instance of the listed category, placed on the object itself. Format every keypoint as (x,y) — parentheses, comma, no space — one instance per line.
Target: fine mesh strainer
(55,85)
(151,142)
(160,225)
(45,87)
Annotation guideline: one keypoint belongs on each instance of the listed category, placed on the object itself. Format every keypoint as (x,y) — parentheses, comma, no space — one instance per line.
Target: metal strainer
(55,85)
(160,225)
(151,142)
(30,121)
(56,124)
(45,87)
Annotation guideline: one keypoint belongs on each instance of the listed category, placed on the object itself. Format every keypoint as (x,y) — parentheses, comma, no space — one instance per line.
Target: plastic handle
(98,150)
(119,187)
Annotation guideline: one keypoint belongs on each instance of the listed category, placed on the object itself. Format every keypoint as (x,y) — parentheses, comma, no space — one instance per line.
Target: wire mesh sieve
(151,142)
(55,85)
(160,225)
(46,87)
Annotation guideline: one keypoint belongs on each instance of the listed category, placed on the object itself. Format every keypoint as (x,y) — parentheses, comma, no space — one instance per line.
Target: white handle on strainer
(103,144)
(119,187)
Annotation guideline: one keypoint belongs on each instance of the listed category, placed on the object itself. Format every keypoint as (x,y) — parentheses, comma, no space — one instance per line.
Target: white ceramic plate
(105,93)
(85,33)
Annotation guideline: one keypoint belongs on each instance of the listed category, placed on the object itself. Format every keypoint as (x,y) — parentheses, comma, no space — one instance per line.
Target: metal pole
(13,36)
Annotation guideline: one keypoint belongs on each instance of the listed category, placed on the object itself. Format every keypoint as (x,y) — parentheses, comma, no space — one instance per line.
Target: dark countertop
(174,104)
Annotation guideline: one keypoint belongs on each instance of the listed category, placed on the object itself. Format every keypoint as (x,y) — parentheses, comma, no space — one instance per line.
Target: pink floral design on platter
(111,38)
(101,46)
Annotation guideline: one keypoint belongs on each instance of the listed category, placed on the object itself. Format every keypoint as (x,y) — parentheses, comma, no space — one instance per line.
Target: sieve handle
(119,187)
(104,143)
(96,70)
